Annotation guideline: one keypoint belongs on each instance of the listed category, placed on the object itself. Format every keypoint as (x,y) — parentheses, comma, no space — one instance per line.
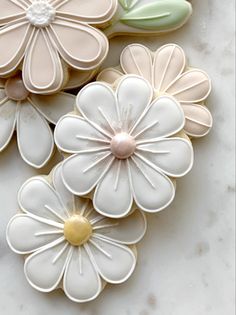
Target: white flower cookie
(68,245)
(30,115)
(45,37)
(124,147)
(167,72)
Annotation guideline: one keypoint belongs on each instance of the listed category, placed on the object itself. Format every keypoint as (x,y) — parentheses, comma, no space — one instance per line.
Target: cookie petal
(34,136)
(78,78)
(109,75)
(81,280)
(113,196)
(114,262)
(10,11)
(7,122)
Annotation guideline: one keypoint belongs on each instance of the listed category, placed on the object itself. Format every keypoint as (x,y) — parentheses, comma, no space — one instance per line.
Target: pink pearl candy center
(123,146)
(15,89)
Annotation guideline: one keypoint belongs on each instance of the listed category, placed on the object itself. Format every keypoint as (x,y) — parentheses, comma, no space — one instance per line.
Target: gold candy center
(77,230)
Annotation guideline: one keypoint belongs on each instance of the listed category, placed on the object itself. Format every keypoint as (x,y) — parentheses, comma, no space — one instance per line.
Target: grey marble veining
(186,260)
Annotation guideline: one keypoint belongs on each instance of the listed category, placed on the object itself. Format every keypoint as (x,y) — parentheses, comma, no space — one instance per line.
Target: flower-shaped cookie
(121,147)
(42,33)
(68,243)
(167,72)
(30,115)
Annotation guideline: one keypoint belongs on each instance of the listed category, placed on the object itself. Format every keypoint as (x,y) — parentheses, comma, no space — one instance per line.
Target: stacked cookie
(125,137)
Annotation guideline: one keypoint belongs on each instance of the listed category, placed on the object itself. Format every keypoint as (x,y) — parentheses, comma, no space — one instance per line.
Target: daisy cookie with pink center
(169,74)
(125,146)
(67,244)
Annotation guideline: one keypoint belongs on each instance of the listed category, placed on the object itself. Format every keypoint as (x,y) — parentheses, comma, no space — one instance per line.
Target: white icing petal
(81,280)
(98,104)
(169,63)
(191,86)
(174,156)
(44,269)
(74,134)
(37,197)
(128,230)
(198,118)
(35,139)
(109,75)
(134,94)
(66,36)
(36,79)
(7,122)
(26,234)
(113,196)
(15,38)
(164,117)
(10,11)
(114,262)
(82,172)
(137,59)
(89,12)
(153,191)
(53,107)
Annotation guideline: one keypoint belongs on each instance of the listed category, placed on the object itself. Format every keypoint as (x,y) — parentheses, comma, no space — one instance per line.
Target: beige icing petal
(78,78)
(169,63)
(69,38)
(109,75)
(191,86)
(13,42)
(10,11)
(7,122)
(88,11)
(42,69)
(137,59)
(198,120)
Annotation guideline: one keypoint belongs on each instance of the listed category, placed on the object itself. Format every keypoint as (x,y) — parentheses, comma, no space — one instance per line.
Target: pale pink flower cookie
(168,73)
(68,244)
(124,148)
(29,115)
(47,36)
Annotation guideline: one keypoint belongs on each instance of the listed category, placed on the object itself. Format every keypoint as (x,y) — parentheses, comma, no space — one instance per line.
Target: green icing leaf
(127,4)
(159,15)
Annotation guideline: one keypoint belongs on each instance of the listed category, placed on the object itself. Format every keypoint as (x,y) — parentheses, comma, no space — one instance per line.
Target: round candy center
(40,13)
(77,230)
(15,89)
(123,146)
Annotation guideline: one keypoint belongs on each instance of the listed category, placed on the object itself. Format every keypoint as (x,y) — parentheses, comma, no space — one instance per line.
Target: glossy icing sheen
(39,33)
(30,115)
(167,72)
(67,243)
(122,147)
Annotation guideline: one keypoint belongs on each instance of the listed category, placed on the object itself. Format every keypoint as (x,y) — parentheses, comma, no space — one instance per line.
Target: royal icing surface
(67,243)
(30,115)
(45,35)
(121,147)
(167,72)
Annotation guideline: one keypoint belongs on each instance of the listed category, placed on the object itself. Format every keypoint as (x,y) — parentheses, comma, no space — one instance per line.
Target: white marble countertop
(186,261)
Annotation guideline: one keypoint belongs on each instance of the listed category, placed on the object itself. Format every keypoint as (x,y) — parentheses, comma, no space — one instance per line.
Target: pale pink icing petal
(42,69)
(34,136)
(88,11)
(13,42)
(113,196)
(173,156)
(51,260)
(114,262)
(10,11)
(169,63)
(199,120)
(82,172)
(109,75)
(82,282)
(137,59)
(70,38)
(7,121)
(153,191)
(73,134)
(191,86)
(35,232)
(78,78)
(54,106)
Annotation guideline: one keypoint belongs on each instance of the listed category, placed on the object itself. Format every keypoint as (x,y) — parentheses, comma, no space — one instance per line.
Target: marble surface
(186,261)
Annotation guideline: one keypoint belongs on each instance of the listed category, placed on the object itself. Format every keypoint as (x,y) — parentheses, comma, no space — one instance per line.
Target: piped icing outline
(50,46)
(30,117)
(145,178)
(38,231)
(168,65)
